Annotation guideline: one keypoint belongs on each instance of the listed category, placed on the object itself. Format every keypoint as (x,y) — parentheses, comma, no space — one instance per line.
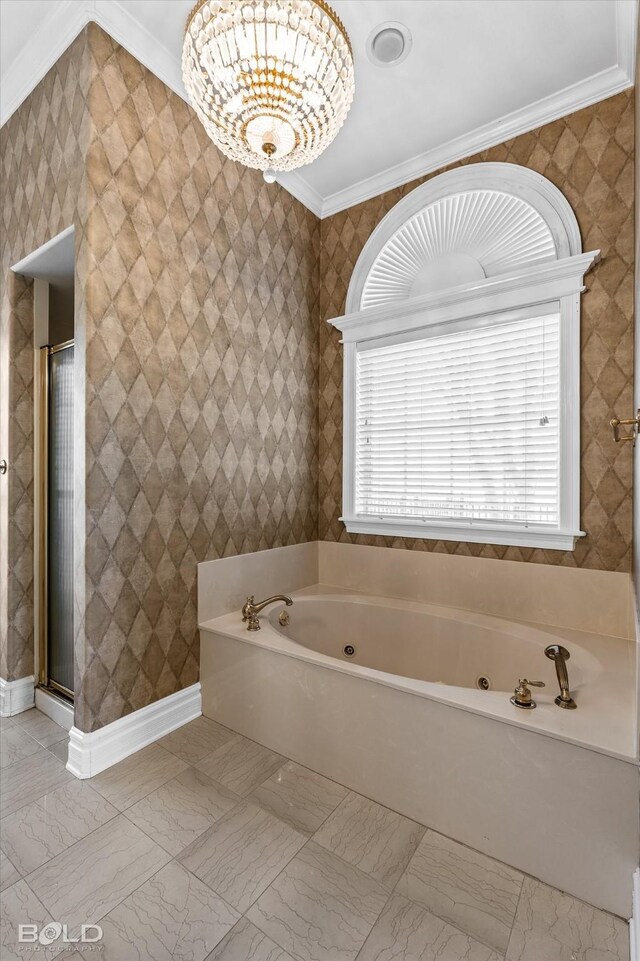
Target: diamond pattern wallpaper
(201,379)
(42,149)
(18,660)
(589,156)
(208,387)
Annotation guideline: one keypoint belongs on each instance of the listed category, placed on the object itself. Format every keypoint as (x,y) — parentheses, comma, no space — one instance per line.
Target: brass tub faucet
(251,610)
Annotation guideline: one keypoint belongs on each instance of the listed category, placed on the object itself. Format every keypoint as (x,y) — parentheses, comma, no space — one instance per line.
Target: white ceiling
(479,72)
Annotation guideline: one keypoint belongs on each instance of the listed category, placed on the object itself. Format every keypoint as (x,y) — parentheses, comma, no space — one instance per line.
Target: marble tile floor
(206,846)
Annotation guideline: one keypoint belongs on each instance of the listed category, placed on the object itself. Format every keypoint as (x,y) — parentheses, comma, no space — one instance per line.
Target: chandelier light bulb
(271,80)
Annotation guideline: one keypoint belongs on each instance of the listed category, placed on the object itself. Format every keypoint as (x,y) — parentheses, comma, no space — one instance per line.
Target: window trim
(559,283)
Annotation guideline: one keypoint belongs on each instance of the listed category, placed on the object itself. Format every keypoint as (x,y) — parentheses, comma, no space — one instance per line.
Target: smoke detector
(389,44)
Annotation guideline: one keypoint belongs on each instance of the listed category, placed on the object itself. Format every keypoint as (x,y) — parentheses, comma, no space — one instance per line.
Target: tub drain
(483,683)
(349,650)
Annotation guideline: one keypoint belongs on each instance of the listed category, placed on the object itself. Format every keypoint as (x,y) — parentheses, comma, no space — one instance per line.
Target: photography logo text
(54,933)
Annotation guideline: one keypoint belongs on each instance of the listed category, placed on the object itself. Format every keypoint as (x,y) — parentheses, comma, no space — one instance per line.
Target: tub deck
(605,720)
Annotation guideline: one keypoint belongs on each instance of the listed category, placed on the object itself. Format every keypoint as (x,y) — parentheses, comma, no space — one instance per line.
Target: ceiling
(479,71)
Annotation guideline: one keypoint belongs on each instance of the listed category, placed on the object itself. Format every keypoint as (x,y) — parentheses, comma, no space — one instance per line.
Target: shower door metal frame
(44,681)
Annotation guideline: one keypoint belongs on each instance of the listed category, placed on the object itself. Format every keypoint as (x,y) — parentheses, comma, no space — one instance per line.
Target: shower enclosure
(56,583)
(47,507)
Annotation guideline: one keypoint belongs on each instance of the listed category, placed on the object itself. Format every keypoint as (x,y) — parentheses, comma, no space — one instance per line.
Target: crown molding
(298,187)
(60,28)
(575,97)
(583,94)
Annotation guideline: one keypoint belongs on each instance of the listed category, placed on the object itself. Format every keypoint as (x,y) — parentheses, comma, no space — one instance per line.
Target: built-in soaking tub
(408,703)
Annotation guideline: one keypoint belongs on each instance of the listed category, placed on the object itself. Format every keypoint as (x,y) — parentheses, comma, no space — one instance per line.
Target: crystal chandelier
(270,80)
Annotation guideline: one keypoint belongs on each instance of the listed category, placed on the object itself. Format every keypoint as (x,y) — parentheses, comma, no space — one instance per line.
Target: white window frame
(553,285)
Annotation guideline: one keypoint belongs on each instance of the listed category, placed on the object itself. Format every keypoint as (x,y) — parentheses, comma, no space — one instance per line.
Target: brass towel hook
(633,422)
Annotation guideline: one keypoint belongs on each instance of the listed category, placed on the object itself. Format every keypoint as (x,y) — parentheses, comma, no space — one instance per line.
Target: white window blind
(462,426)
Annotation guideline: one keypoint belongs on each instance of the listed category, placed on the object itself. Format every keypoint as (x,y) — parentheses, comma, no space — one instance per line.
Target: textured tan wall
(589,156)
(201,393)
(16,658)
(42,150)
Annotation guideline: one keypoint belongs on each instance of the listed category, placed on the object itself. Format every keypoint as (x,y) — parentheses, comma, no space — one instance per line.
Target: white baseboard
(16,696)
(55,708)
(634,924)
(91,753)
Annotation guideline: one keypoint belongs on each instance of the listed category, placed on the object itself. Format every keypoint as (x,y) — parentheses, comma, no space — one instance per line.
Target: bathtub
(408,703)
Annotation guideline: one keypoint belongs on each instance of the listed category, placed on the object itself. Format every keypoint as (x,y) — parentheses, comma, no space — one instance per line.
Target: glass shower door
(59,520)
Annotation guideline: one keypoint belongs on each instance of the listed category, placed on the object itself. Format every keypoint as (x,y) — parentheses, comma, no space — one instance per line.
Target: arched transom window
(461,364)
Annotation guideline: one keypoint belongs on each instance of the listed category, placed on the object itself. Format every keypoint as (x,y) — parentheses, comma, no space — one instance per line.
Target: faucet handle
(246,609)
(522,695)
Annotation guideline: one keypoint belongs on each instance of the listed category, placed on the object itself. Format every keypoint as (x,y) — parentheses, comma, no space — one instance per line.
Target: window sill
(552,539)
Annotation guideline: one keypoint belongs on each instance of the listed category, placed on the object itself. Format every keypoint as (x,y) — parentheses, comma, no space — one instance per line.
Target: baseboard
(54,707)
(94,752)
(634,924)
(16,696)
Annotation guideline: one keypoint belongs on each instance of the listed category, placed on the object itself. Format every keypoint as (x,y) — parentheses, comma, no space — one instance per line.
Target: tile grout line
(474,937)
(34,895)
(23,877)
(71,846)
(348,865)
(394,893)
(97,790)
(245,799)
(311,838)
(506,950)
(19,759)
(37,801)
(106,800)
(191,767)
(41,715)
(34,800)
(174,858)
